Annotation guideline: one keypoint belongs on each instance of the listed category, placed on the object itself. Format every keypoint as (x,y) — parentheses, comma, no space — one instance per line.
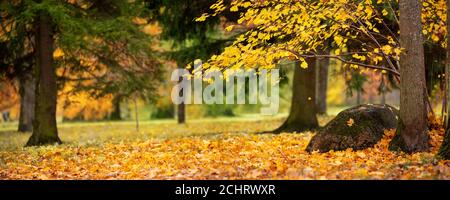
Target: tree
(190,40)
(322,66)
(444,150)
(44,124)
(27,88)
(363,34)
(19,65)
(303,111)
(281,32)
(356,82)
(412,130)
(22,69)
(104,47)
(117,112)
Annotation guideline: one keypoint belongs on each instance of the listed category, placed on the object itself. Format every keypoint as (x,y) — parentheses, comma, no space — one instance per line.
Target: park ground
(220,148)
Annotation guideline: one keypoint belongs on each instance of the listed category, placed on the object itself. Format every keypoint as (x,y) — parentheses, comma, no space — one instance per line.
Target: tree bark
(412,131)
(44,124)
(444,150)
(181,112)
(136,113)
(303,112)
(358,96)
(383,90)
(27,88)
(322,85)
(117,112)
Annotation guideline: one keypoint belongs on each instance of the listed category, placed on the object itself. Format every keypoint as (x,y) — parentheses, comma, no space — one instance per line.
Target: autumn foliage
(106,55)
(165,151)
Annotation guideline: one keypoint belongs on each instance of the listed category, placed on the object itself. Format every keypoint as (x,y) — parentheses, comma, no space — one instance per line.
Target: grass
(97,133)
(213,148)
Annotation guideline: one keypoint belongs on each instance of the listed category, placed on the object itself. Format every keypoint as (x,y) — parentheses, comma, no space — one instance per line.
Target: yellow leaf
(350,122)
(202,18)
(304,65)
(58,53)
(229,28)
(234,8)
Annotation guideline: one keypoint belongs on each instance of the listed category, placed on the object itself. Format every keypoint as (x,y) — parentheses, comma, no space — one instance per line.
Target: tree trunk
(116,113)
(136,113)
(358,96)
(444,151)
(181,113)
(44,124)
(27,88)
(322,85)
(383,90)
(412,131)
(303,110)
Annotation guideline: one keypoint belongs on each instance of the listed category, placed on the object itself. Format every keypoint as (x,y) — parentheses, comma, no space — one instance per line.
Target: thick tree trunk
(444,151)
(322,85)
(117,112)
(27,89)
(303,112)
(44,124)
(412,131)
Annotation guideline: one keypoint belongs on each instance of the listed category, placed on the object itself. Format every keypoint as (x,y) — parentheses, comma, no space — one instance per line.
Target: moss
(364,117)
(359,127)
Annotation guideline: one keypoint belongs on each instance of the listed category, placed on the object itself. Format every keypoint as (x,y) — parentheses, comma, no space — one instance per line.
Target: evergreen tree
(190,40)
(103,33)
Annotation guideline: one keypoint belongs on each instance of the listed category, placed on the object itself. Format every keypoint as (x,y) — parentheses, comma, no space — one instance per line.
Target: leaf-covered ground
(214,149)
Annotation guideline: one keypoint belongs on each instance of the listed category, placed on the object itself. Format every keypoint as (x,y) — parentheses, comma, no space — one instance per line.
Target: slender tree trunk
(322,84)
(358,96)
(44,124)
(136,114)
(303,112)
(383,91)
(444,151)
(27,89)
(181,111)
(117,113)
(412,131)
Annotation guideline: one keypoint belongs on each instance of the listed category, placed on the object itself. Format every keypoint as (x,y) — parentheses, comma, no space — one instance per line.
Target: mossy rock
(358,127)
